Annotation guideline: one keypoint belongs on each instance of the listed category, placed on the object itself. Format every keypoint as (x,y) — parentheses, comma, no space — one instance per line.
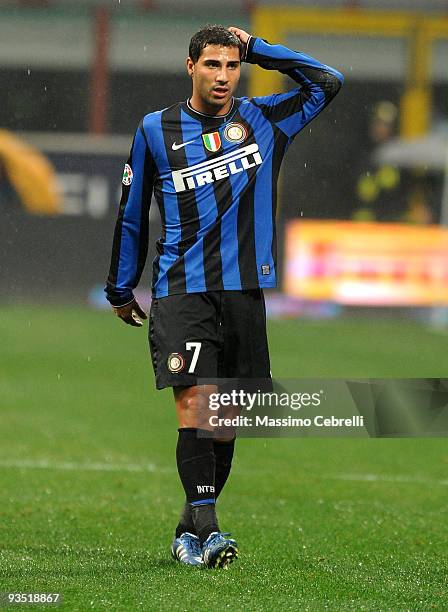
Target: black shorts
(215,334)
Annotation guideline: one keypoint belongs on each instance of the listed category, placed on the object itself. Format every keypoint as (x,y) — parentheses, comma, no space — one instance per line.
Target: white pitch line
(88,467)
(151,467)
(388,478)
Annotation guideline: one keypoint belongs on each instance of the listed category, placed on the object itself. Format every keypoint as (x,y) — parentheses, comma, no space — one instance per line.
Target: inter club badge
(212,142)
(175,363)
(235,133)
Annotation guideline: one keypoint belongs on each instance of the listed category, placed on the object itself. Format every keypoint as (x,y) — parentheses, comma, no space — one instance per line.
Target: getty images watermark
(325,407)
(261,400)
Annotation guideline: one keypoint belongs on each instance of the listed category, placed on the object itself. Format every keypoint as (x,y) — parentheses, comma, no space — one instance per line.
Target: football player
(212,162)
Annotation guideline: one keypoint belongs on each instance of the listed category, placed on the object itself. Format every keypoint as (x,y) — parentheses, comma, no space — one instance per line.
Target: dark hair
(212,35)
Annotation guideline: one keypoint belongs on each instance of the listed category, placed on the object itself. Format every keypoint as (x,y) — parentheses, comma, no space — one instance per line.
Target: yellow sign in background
(367,264)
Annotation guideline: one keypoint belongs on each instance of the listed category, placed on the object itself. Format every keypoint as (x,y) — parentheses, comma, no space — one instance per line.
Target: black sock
(185,521)
(196,466)
(199,520)
(223,462)
(223,452)
(205,520)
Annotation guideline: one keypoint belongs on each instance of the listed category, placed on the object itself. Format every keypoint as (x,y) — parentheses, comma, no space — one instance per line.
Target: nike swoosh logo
(175,146)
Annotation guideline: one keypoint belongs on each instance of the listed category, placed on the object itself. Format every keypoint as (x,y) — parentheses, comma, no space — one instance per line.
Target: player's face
(215,77)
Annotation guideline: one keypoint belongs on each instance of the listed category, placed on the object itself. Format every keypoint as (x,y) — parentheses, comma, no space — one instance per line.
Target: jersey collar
(210,119)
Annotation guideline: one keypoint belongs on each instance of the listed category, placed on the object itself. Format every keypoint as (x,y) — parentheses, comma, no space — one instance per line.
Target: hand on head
(241,34)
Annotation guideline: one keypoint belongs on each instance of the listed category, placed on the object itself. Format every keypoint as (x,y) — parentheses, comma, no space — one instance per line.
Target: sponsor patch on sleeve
(127,175)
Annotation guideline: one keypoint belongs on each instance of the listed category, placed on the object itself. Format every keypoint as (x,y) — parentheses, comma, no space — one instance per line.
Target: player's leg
(196,468)
(196,460)
(184,347)
(196,465)
(223,450)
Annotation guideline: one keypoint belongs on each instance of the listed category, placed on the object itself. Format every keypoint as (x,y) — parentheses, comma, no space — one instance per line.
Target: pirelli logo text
(217,169)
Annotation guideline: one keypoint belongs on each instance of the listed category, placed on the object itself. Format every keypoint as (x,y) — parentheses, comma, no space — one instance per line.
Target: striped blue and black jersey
(214,180)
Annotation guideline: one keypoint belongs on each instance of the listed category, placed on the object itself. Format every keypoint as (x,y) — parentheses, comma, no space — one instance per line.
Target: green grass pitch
(90,496)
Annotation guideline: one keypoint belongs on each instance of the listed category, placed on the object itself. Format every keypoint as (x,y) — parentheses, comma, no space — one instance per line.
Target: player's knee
(195,404)
(192,407)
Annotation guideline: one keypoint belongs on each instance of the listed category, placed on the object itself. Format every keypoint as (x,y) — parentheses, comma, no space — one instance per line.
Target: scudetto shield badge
(212,142)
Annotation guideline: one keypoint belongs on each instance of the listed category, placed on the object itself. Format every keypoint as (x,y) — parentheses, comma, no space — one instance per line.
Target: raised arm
(292,110)
(130,243)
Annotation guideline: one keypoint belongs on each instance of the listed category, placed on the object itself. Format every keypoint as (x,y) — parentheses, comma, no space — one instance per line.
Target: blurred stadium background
(79,76)
(87,444)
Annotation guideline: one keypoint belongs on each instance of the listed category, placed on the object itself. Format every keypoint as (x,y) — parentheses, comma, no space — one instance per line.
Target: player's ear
(190,65)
